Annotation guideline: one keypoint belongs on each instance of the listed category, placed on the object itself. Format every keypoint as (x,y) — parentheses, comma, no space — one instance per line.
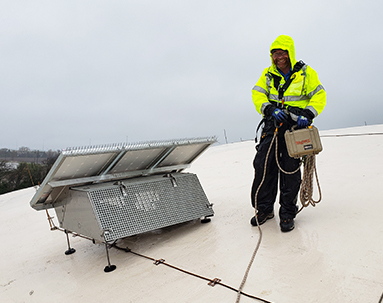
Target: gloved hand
(279,115)
(302,122)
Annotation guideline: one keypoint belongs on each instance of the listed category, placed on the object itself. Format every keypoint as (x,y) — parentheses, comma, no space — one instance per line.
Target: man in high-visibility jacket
(288,93)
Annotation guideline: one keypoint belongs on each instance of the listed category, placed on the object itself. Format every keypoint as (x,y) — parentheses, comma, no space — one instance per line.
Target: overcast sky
(77,73)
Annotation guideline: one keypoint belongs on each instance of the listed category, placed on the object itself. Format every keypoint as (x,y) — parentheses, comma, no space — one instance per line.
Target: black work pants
(289,184)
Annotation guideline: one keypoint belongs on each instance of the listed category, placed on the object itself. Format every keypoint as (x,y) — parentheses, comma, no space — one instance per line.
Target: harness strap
(277,79)
(281,89)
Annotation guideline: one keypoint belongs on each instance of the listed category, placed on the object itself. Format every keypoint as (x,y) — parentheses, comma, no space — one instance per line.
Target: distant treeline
(25,154)
(24,174)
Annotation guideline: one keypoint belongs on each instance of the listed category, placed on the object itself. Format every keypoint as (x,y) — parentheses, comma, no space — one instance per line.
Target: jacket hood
(285,43)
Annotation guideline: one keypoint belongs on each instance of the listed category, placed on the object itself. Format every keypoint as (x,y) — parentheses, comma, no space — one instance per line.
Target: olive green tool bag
(302,142)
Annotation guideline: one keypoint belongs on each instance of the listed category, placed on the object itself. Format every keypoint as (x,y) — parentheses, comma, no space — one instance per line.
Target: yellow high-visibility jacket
(305,91)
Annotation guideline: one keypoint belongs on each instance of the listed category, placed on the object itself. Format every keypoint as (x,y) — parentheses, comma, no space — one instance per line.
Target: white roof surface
(334,254)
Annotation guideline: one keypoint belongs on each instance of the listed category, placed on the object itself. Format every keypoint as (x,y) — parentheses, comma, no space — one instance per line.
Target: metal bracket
(212,283)
(172,179)
(123,188)
(160,261)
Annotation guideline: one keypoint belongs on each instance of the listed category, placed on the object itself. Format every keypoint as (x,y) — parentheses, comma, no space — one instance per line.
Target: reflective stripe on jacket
(305,90)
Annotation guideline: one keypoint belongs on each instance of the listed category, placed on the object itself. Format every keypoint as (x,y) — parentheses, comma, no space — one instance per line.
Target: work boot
(286,225)
(262,218)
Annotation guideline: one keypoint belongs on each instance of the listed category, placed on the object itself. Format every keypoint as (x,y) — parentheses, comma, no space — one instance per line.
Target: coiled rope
(306,193)
(309,168)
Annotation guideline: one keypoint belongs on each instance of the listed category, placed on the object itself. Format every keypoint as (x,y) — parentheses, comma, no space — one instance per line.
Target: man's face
(281,59)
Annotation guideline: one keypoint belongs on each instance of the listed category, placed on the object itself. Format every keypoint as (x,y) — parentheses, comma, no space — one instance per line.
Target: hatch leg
(70,250)
(109,267)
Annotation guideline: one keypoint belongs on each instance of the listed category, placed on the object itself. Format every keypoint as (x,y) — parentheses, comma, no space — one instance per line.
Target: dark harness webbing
(281,89)
(277,80)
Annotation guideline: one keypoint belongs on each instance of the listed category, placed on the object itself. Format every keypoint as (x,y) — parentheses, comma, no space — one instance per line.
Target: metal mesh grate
(137,206)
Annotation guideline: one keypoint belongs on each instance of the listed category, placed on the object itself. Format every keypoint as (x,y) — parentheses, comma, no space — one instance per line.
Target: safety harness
(281,90)
(277,80)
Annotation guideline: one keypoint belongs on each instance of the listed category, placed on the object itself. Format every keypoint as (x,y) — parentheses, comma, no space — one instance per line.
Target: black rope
(212,282)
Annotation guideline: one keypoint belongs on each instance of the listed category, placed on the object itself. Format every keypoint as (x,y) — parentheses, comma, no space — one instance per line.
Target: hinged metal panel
(77,166)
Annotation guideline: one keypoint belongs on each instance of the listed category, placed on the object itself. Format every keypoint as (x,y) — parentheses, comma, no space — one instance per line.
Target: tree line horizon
(24,167)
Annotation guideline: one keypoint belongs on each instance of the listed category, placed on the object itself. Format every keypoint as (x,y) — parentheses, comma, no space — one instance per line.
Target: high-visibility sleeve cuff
(308,114)
(268,111)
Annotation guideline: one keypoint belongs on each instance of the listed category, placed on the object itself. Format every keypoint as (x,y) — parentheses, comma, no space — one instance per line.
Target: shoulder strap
(281,90)
(298,66)
(277,80)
